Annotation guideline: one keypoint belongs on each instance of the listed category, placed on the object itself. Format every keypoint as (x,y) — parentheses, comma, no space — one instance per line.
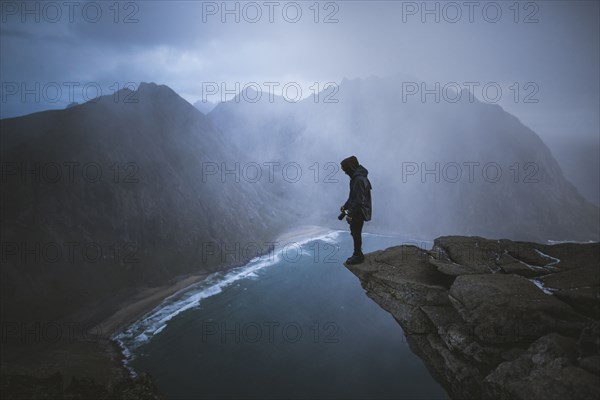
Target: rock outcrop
(496,319)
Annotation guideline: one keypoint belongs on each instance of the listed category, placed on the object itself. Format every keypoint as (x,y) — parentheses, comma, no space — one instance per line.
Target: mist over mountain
(127,191)
(437,167)
(204,106)
(108,197)
(580,161)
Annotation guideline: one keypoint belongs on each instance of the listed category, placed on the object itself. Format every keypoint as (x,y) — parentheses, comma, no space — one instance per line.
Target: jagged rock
(85,388)
(546,370)
(586,300)
(459,337)
(455,256)
(454,372)
(459,255)
(584,276)
(401,288)
(573,255)
(590,364)
(578,286)
(17,386)
(495,319)
(511,265)
(589,339)
(509,308)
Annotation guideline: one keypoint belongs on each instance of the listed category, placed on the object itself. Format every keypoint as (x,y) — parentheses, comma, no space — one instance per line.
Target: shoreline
(142,303)
(303,233)
(103,357)
(148,299)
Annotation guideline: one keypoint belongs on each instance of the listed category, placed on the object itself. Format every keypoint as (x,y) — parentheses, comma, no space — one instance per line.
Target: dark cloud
(171,43)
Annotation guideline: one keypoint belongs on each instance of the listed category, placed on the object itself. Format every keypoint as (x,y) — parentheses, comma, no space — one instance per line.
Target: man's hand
(342,209)
(348,218)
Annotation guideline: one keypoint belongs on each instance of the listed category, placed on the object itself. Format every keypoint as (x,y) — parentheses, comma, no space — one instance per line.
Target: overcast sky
(549,49)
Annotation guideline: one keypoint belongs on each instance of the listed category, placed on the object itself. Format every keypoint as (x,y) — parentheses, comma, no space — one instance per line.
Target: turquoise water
(292,324)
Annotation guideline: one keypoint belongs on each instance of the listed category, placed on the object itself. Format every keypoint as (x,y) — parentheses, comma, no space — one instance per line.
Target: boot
(355,259)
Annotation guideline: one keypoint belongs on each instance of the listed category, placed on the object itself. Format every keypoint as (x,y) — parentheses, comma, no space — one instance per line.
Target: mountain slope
(149,216)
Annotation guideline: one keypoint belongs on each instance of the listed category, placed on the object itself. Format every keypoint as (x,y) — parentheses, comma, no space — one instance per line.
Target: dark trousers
(356,231)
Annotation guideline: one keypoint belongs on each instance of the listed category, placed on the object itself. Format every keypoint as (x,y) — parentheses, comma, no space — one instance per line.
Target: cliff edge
(496,319)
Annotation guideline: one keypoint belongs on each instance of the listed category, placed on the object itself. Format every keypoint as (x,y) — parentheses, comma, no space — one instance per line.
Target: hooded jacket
(359,200)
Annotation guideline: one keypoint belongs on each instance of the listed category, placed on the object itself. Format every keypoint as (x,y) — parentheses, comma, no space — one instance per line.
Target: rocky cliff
(496,319)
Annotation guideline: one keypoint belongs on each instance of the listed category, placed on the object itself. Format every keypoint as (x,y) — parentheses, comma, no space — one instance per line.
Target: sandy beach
(302,233)
(142,303)
(148,299)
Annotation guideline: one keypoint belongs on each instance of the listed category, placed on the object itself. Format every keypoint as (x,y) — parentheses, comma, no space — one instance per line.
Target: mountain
(438,167)
(106,198)
(580,161)
(205,106)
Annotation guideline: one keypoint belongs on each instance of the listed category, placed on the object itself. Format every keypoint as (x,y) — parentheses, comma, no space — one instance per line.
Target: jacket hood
(360,171)
(349,165)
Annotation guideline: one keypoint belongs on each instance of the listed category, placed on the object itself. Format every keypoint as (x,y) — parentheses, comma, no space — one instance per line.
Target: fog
(539,61)
(437,168)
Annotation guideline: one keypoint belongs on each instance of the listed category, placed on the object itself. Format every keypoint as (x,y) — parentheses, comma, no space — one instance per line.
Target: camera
(343,214)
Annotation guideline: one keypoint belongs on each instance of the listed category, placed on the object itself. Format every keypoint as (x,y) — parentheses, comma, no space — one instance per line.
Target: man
(358,205)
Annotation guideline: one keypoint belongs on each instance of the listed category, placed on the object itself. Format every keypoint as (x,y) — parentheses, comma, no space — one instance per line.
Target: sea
(293,323)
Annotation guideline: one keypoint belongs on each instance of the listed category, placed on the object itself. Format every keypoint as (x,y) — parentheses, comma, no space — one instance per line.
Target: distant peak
(467,96)
(144,85)
(153,87)
(150,92)
(153,90)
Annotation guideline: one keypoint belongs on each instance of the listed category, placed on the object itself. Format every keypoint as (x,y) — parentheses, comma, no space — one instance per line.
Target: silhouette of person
(358,206)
